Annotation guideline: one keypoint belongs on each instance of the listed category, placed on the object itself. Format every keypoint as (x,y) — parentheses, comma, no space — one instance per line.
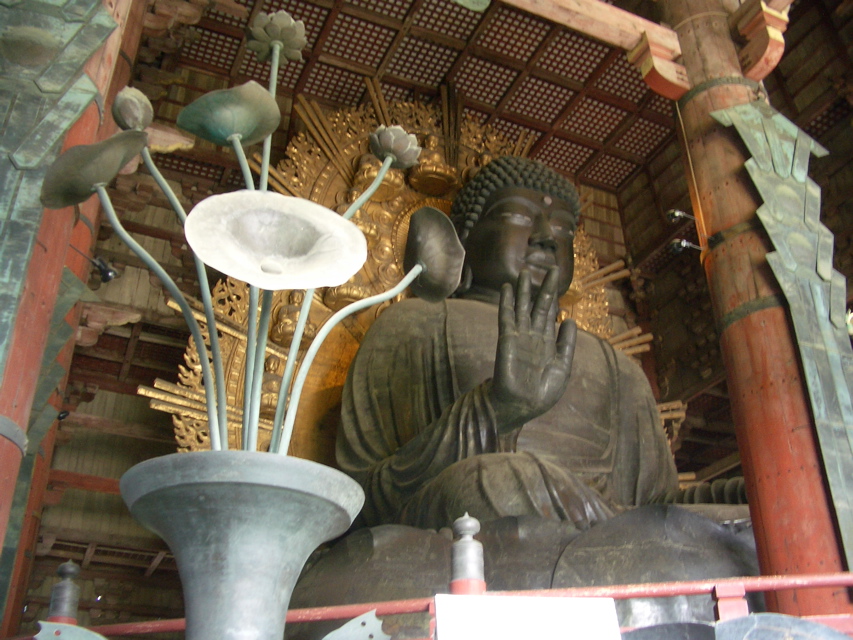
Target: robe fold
(419,433)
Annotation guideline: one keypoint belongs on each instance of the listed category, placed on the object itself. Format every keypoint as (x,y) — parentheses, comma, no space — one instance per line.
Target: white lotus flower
(275,242)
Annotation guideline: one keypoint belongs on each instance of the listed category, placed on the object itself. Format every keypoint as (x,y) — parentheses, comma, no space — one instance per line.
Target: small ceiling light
(105,271)
(674,215)
(679,245)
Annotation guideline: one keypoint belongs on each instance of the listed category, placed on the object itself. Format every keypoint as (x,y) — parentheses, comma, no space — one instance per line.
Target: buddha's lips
(539,260)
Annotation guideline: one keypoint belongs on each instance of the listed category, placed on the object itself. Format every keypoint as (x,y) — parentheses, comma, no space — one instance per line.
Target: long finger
(522,301)
(566,341)
(506,310)
(541,316)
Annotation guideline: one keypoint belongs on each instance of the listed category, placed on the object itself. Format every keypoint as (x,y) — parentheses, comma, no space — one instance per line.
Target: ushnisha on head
(504,172)
(516,215)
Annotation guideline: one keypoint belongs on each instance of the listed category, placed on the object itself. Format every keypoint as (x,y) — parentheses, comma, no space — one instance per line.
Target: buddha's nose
(542,236)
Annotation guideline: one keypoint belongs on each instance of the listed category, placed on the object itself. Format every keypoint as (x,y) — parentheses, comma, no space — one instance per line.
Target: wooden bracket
(652,48)
(659,69)
(761,27)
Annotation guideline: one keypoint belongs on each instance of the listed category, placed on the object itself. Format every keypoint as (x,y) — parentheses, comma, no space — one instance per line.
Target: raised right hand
(533,361)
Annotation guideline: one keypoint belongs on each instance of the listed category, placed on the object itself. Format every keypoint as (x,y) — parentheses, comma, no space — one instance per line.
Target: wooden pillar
(32,322)
(791,511)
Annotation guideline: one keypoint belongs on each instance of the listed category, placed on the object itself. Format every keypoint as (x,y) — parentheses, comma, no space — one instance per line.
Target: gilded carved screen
(331,164)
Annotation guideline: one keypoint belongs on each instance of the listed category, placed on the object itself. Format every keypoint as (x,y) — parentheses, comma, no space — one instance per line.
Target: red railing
(729,595)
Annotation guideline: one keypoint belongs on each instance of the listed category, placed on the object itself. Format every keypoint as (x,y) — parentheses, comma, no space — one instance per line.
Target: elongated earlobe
(465,282)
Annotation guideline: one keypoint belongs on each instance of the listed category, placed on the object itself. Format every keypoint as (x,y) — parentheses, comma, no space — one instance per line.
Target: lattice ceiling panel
(594,119)
(196,168)
(514,34)
(396,93)
(211,50)
(359,40)
(484,81)
(563,155)
(512,130)
(610,170)
(396,9)
(540,99)
(573,56)
(478,115)
(643,137)
(335,84)
(839,110)
(414,46)
(661,105)
(622,80)
(288,73)
(448,19)
(425,63)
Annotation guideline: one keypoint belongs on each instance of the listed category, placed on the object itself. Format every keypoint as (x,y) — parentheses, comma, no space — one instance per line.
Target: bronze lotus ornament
(72,179)
(396,143)
(132,109)
(247,111)
(275,242)
(279,27)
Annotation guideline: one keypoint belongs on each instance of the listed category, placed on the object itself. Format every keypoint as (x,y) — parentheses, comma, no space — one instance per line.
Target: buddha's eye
(562,227)
(520,219)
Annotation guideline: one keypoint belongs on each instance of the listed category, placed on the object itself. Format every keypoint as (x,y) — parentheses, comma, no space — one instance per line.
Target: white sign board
(462,617)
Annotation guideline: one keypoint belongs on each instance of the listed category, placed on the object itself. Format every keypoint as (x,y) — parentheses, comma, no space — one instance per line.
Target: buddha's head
(516,214)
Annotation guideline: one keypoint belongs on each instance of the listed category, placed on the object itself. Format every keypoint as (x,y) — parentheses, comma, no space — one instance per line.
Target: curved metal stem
(207,302)
(323,333)
(173,290)
(251,436)
(290,365)
(265,158)
(234,138)
(364,197)
(251,342)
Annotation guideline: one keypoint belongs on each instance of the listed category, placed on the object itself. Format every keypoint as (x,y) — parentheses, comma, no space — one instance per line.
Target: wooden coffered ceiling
(583,109)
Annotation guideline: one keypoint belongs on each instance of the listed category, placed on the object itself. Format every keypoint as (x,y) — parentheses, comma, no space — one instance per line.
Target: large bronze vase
(241,525)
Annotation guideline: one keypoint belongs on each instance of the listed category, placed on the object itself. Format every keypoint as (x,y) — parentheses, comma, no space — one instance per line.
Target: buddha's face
(519,229)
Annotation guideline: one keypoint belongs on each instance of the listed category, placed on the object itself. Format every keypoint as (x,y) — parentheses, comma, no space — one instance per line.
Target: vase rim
(242,467)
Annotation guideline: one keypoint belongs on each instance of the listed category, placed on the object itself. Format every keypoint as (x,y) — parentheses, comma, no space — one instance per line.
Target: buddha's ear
(433,244)
(465,282)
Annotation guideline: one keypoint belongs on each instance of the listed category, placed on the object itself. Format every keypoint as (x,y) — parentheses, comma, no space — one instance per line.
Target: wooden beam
(130,351)
(64,480)
(604,22)
(120,357)
(87,557)
(718,468)
(76,422)
(155,563)
(147,543)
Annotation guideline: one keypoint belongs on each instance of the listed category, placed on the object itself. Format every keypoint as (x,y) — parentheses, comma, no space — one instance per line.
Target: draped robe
(419,433)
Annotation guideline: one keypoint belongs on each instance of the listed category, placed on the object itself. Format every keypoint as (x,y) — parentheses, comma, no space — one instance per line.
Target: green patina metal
(815,292)
(40,103)
(42,93)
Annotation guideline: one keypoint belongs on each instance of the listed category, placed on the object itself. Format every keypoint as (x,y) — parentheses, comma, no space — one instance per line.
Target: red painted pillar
(790,507)
(32,324)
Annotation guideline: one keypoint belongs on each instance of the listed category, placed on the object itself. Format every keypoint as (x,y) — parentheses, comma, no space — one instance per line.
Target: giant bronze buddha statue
(547,435)
(479,404)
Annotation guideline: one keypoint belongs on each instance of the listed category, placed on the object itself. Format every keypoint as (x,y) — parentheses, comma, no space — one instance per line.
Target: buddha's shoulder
(409,315)
(598,352)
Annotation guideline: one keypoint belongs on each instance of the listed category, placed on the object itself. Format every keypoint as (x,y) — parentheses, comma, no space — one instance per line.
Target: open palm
(533,361)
